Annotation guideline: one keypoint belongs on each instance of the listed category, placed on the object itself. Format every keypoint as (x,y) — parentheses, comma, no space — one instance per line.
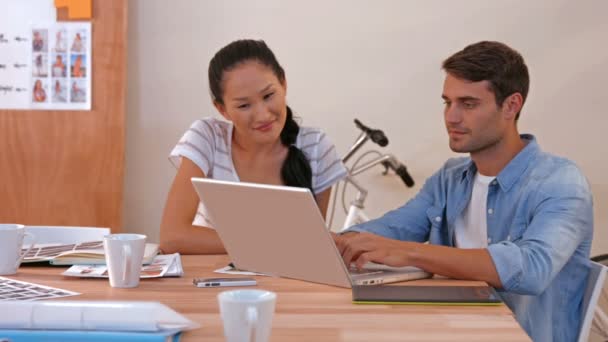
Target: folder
(426,295)
(71,321)
(89,336)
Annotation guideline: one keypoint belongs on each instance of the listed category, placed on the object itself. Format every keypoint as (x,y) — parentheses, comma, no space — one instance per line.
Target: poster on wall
(43,64)
(16,17)
(61,66)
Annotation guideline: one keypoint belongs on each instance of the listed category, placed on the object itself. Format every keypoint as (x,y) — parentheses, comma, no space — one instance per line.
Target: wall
(377,61)
(63,167)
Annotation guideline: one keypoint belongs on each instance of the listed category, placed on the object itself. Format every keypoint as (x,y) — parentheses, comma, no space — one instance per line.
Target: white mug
(11,241)
(124,255)
(247,314)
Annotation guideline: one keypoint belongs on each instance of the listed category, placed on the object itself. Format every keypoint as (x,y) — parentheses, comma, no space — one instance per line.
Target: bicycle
(355,213)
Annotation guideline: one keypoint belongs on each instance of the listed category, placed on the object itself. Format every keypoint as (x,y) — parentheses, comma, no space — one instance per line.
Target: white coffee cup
(11,241)
(247,314)
(124,255)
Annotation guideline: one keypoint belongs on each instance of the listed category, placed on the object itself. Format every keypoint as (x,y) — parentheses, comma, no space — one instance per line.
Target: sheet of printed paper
(11,289)
(167,265)
(43,64)
(231,270)
(47,252)
(16,18)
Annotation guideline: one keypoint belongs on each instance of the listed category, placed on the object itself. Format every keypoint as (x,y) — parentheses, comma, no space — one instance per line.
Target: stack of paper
(168,265)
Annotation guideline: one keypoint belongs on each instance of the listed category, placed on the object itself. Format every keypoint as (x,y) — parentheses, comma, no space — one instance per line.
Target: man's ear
(222,109)
(512,105)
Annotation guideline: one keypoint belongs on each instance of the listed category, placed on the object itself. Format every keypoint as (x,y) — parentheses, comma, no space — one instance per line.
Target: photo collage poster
(16,19)
(61,63)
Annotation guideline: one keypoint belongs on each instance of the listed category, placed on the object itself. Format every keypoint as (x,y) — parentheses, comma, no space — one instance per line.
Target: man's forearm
(469,264)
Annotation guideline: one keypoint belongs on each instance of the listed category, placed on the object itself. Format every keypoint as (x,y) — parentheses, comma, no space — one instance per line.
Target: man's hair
(494,62)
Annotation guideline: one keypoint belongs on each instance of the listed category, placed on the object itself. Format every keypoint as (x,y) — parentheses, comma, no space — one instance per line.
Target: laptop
(279,231)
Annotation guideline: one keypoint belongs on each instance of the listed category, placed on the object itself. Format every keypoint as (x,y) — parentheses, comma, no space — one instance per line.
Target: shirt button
(489,240)
(509,238)
(437,219)
(494,182)
(490,211)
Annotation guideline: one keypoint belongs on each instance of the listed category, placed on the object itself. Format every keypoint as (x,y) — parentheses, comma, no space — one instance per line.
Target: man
(511,215)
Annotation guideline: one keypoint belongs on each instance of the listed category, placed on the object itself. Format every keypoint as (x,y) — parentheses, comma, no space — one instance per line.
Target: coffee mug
(247,314)
(124,255)
(11,241)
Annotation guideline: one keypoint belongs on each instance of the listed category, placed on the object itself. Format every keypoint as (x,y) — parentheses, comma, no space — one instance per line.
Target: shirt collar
(515,168)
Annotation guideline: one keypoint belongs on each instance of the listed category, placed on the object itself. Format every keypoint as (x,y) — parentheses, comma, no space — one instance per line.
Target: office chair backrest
(595,284)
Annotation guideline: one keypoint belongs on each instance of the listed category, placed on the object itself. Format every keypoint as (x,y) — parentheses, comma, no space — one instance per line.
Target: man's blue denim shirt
(540,227)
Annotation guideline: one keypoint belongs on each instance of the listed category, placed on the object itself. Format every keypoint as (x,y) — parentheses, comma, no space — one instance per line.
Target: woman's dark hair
(296,169)
(494,62)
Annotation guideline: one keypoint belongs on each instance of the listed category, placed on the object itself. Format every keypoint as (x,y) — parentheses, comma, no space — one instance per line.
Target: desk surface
(303,310)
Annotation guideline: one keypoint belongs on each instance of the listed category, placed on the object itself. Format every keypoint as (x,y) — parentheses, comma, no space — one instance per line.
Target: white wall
(378,61)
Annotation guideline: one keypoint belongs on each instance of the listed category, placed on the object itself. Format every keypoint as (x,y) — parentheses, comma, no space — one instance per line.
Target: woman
(77,70)
(58,67)
(77,44)
(40,69)
(39,93)
(37,42)
(261,143)
(60,44)
(58,95)
(78,94)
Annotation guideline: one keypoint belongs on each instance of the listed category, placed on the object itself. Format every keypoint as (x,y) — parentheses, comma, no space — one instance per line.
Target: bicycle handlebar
(405,176)
(400,170)
(376,135)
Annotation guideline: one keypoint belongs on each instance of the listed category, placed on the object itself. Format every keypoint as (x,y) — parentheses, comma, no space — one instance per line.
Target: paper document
(168,265)
(44,64)
(11,289)
(230,269)
(16,19)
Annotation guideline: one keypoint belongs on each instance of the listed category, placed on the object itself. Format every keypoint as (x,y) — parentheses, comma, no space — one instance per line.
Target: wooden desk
(304,311)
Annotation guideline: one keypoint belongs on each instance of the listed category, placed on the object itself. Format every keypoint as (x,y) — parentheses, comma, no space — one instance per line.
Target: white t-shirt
(208,144)
(471,228)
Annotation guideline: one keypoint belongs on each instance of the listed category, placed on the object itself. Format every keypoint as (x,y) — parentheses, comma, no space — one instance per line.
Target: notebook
(83,253)
(422,295)
(279,230)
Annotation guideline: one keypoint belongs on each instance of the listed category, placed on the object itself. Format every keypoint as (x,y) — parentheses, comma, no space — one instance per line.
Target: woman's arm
(177,234)
(323,201)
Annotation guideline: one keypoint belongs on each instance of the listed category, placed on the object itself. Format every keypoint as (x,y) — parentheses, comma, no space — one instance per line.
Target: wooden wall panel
(66,167)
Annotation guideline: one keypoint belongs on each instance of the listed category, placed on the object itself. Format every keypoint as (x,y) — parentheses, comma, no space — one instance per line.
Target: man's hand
(468,264)
(341,240)
(361,248)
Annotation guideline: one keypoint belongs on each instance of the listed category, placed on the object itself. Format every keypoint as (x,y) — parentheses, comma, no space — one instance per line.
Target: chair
(594,319)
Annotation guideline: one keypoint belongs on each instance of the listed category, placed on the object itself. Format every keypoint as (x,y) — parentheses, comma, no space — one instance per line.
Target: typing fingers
(390,256)
(355,246)
(342,241)
(352,252)
(376,256)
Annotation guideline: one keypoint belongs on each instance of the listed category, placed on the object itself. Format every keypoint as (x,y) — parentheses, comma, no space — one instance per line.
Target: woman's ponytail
(296,169)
